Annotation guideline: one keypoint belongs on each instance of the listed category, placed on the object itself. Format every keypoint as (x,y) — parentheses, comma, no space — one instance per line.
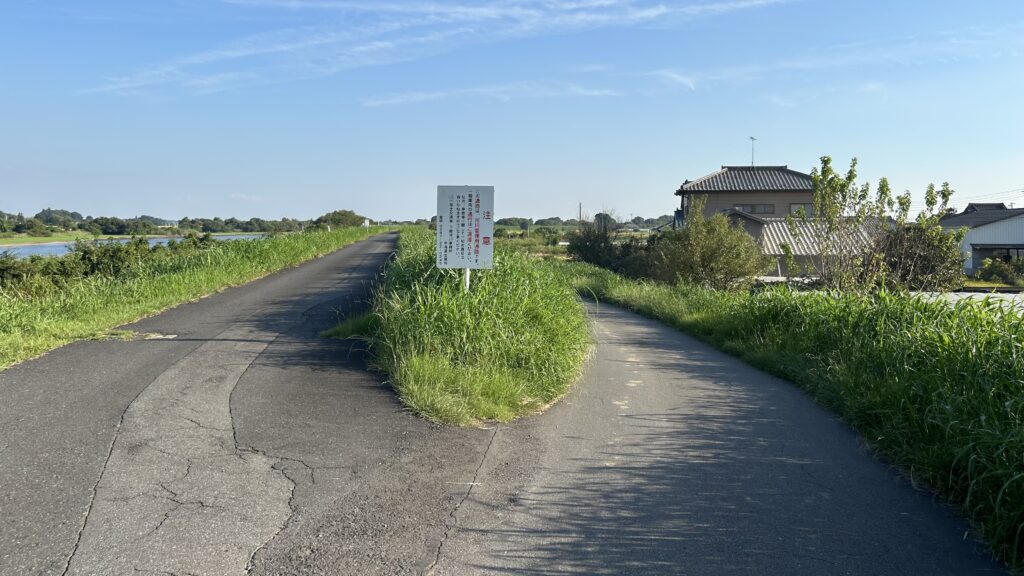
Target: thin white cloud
(380,33)
(942,47)
(674,78)
(503,93)
(246,198)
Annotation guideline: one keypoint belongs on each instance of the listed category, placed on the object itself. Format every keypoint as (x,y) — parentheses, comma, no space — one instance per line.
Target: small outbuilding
(803,237)
(993,231)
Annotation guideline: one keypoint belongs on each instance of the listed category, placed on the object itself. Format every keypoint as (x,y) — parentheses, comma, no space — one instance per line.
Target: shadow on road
(742,474)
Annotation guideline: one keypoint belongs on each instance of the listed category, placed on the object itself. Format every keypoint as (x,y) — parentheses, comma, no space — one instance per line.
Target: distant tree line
(50,220)
(603,219)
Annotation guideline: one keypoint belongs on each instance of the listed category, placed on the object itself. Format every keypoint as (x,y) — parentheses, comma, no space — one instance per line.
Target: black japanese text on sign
(465,227)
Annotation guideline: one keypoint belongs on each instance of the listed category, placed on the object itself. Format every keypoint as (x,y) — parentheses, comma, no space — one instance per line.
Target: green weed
(510,346)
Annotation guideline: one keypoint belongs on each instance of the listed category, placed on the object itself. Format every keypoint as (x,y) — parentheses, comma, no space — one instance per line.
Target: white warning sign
(465,227)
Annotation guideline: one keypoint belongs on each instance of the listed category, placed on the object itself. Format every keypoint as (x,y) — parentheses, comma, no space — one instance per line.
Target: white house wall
(1009,231)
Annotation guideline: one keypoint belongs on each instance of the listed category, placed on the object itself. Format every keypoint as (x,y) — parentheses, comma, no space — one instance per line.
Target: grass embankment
(22,239)
(50,315)
(938,387)
(510,346)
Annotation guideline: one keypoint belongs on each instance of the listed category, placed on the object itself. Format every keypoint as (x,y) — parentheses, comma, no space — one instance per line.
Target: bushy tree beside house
(899,253)
(711,252)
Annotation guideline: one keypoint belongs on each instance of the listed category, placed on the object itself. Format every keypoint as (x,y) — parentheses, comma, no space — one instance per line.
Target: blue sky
(276,108)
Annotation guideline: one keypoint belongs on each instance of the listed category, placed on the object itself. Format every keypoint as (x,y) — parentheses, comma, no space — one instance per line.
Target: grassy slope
(29,327)
(21,239)
(938,387)
(509,347)
(61,237)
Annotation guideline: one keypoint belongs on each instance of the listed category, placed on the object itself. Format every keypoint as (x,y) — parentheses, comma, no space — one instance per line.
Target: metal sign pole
(465,282)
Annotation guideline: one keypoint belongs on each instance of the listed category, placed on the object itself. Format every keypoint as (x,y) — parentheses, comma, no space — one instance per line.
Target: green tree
(866,241)
(605,222)
(32,227)
(711,252)
(341,219)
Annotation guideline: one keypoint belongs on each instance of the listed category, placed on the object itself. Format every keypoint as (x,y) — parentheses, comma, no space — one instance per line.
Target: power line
(983,195)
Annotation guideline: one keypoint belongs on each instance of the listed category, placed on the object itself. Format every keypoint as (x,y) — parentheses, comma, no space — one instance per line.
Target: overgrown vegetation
(510,346)
(708,251)
(47,302)
(938,387)
(1010,272)
(868,241)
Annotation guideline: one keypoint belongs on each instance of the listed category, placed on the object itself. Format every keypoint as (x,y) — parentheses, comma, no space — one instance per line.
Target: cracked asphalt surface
(248,444)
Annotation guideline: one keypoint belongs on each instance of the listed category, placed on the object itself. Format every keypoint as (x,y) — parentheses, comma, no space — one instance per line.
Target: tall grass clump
(48,302)
(938,387)
(510,346)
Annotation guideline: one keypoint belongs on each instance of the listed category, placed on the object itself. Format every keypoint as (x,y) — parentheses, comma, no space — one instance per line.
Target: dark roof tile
(749,179)
(977,218)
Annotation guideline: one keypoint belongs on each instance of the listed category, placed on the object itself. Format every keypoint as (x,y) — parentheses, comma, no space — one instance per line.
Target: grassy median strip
(509,347)
(938,387)
(46,314)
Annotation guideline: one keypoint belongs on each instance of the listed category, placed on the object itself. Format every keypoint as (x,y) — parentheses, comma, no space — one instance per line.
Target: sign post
(465,228)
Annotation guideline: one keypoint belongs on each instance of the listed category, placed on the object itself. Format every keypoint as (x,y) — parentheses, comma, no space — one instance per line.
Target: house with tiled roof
(759,198)
(764,191)
(993,231)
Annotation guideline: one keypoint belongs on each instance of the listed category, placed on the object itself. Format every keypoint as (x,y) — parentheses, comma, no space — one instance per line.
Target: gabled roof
(975,218)
(977,207)
(749,179)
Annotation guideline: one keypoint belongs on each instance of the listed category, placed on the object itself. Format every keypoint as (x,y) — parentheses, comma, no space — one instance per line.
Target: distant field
(19,239)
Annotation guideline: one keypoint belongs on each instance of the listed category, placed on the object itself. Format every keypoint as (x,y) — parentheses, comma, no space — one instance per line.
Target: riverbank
(24,241)
(44,315)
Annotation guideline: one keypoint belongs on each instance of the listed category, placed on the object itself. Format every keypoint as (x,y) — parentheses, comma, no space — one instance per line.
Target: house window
(756,208)
(1008,254)
(807,209)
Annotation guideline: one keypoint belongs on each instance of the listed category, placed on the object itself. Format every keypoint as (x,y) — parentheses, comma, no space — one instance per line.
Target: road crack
(99,478)
(453,518)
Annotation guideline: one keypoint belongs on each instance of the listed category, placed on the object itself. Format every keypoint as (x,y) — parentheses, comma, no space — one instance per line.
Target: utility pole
(752,140)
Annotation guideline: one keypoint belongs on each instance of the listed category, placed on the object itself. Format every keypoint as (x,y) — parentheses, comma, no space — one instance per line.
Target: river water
(61,248)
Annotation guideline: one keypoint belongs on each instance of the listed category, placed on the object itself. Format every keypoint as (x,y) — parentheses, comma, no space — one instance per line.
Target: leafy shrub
(920,256)
(709,252)
(85,259)
(902,253)
(998,270)
(594,245)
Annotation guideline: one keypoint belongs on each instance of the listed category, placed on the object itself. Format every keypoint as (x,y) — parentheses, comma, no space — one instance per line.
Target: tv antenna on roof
(752,140)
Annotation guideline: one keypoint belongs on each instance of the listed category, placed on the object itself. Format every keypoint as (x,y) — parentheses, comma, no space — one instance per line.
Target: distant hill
(52,217)
(156,221)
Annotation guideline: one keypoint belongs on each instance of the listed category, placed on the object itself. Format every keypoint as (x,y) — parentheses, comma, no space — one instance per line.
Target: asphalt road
(238,441)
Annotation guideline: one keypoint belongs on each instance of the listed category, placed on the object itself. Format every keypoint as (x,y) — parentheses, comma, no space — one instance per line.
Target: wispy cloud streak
(503,92)
(380,33)
(942,47)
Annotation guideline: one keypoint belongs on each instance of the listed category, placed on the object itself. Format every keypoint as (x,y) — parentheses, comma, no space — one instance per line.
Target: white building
(993,231)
